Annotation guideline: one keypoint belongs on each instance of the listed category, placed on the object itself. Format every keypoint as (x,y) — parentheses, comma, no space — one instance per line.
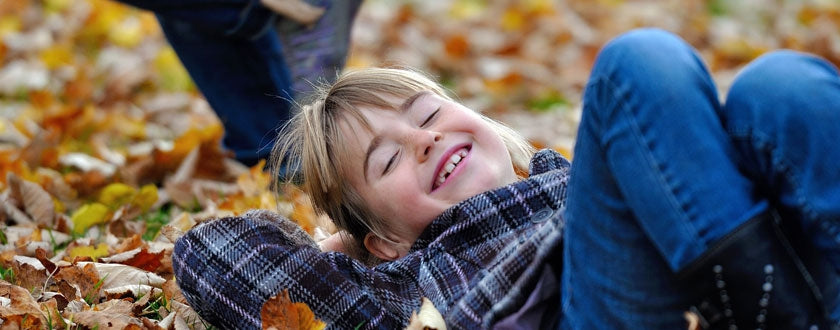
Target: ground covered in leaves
(108,153)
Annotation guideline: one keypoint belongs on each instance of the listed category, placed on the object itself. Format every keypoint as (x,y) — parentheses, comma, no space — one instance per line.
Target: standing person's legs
(783,113)
(245,80)
(653,184)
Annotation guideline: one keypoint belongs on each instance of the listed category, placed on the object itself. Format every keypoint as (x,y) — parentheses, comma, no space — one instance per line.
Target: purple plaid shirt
(478,262)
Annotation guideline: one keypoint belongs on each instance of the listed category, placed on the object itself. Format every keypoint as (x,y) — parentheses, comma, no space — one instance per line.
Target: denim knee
(779,75)
(639,50)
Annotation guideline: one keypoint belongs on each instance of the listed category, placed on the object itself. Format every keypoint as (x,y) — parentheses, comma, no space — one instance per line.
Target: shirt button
(542,215)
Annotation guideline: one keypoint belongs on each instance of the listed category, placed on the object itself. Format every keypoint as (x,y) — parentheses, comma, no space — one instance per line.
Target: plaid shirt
(477,262)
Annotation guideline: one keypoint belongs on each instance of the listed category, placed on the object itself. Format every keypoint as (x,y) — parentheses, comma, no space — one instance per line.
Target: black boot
(753,278)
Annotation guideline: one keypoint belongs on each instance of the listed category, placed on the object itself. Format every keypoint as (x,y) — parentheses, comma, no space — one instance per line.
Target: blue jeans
(234,56)
(662,170)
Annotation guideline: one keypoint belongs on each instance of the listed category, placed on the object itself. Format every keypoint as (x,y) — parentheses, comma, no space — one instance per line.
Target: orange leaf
(457,46)
(280,312)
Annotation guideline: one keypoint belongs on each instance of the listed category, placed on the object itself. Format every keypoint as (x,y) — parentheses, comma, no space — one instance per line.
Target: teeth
(450,166)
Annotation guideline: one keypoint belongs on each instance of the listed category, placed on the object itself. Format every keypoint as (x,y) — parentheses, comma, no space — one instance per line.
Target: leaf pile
(108,153)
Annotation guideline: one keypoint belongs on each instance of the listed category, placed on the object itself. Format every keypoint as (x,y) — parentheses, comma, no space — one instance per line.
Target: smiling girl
(675,203)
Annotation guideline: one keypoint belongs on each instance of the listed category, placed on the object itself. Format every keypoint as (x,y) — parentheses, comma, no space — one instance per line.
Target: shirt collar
(543,190)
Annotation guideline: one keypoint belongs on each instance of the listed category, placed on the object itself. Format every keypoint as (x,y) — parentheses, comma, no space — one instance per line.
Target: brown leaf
(279,312)
(14,213)
(52,309)
(128,244)
(171,232)
(22,311)
(41,254)
(36,201)
(83,278)
(140,258)
(112,314)
(29,272)
(172,292)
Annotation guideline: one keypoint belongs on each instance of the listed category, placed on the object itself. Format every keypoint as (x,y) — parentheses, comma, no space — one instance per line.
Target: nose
(425,142)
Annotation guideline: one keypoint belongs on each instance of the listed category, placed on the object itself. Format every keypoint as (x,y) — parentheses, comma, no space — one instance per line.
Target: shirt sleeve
(227,268)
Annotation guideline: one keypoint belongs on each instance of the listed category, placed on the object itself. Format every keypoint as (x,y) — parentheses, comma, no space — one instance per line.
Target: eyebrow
(377,140)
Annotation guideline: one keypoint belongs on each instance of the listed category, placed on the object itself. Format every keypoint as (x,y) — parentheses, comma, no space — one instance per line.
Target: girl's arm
(227,269)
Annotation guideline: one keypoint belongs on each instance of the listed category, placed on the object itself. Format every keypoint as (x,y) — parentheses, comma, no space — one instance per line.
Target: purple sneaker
(317,53)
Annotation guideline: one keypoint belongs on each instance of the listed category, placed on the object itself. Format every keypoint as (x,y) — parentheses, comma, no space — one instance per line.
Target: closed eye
(430,117)
(390,163)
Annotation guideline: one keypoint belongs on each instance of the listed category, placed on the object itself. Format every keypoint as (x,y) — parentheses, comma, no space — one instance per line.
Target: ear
(381,248)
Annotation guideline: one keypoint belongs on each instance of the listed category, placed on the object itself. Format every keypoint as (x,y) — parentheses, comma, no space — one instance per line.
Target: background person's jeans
(234,56)
(662,170)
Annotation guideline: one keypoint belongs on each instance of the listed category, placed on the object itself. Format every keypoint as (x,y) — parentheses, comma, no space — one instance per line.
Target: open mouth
(449,166)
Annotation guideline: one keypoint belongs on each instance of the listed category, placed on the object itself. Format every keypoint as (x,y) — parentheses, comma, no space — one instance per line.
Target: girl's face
(416,163)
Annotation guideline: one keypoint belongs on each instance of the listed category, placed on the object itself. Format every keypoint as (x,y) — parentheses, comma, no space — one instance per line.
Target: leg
(783,113)
(653,184)
(245,80)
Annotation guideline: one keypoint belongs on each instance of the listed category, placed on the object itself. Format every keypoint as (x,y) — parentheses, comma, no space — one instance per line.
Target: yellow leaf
(173,76)
(467,9)
(94,253)
(88,215)
(116,194)
(146,197)
(9,25)
(104,16)
(513,20)
(53,6)
(128,33)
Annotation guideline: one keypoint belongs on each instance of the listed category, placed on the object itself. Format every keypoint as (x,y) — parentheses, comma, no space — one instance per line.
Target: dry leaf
(139,257)
(20,311)
(79,282)
(113,314)
(116,275)
(429,318)
(173,292)
(52,311)
(279,312)
(37,202)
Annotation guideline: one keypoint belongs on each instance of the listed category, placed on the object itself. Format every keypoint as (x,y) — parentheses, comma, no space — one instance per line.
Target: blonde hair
(309,145)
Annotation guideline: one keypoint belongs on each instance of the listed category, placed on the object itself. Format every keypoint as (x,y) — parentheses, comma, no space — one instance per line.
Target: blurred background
(105,140)
(523,62)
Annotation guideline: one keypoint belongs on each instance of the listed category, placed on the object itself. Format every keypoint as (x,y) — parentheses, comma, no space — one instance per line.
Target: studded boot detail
(753,278)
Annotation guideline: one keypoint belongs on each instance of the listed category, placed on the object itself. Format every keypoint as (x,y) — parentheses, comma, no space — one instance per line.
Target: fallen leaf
(89,215)
(279,312)
(116,275)
(112,314)
(37,202)
(428,318)
(116,194)
(79,282)
(21,311)
(29,272)
(52,312)
(90,251)
(139,257)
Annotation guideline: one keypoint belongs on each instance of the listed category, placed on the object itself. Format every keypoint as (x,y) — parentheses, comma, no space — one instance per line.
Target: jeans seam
(763,143)
(626,112)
